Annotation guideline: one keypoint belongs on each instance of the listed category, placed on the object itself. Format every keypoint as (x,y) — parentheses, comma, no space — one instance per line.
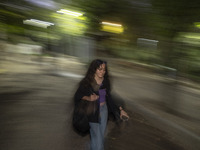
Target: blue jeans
(97,130)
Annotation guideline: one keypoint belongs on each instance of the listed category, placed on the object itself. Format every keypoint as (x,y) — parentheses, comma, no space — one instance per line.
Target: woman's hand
(92,97)
(123,114)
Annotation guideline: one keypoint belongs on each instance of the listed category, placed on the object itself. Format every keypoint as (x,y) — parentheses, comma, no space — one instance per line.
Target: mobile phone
(124,118)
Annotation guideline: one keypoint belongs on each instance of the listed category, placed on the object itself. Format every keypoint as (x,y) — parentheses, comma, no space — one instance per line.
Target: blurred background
(152,46)
(153,32)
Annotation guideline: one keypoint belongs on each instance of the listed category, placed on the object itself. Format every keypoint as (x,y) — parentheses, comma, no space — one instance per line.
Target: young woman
(95,88)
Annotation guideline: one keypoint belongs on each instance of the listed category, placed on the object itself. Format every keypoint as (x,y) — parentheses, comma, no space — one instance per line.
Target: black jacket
(87,91)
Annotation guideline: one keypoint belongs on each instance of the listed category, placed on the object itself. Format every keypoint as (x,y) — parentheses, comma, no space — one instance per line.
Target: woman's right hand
(93,97)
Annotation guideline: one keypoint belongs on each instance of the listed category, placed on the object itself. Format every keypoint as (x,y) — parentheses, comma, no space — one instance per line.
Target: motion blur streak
(152,52)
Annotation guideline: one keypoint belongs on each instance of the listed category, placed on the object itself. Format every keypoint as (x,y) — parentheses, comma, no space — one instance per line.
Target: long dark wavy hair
(89,77)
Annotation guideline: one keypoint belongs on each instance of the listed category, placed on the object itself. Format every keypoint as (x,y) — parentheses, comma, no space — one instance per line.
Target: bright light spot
(68,12)
(112,24)
(197,24)
(112,27)
(38,23)
(147,40)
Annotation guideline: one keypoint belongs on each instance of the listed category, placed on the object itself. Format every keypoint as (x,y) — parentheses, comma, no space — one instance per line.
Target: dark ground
(35,113)
(36,110)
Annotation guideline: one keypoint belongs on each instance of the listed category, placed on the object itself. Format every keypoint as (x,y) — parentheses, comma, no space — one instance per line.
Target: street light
(111,24)
(112,27)
(68,12)
(38,23)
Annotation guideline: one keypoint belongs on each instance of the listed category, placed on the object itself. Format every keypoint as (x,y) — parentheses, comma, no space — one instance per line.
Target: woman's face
(100,72)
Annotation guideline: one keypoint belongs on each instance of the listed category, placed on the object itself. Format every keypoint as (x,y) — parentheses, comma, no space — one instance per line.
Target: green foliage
(160,20)
(66,24)
(100,10)
(174,16)
(132,52)
(10,14)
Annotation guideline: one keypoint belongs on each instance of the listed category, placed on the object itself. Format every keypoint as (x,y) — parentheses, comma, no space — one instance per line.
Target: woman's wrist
(87,98)
(120,108)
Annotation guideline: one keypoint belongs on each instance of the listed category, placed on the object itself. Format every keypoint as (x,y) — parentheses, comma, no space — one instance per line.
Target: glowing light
(68,12)
(112,24)
(197,24)
(112,27)
(38,23)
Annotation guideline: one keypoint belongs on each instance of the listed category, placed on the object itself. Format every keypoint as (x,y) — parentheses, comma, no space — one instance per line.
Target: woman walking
(95,89)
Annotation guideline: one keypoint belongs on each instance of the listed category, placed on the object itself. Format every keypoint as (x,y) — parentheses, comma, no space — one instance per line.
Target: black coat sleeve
(80,93)
(113,108)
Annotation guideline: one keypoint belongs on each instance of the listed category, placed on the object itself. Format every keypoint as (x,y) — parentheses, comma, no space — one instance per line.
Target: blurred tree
(120,11)
(11,17)
(13,13)
(168,19)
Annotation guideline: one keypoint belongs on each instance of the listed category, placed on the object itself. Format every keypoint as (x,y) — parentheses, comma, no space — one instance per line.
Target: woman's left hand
(123,114)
